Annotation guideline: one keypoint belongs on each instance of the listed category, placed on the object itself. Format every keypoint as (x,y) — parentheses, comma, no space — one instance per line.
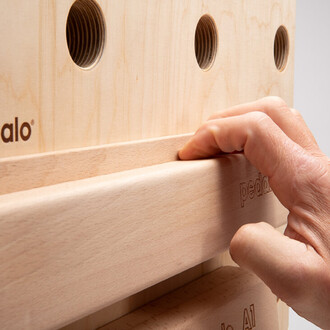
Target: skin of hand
(276,140)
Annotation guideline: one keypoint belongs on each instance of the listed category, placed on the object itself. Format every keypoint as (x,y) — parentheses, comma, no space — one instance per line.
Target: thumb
(282,263)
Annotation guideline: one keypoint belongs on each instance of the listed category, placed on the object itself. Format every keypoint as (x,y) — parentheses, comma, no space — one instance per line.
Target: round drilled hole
(206,42)
(281,48)
(85,33)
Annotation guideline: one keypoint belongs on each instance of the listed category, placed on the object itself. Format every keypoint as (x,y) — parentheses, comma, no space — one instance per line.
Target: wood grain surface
(115,311)
(133,302)
(147,83)
(94,206)
(227,299)
(44,169)
(73,248)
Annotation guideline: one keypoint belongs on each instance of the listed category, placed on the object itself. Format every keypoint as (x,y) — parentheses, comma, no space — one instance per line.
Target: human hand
(276,140)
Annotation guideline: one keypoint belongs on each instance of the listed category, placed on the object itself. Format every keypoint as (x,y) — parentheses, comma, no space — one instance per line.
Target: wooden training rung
(93,242)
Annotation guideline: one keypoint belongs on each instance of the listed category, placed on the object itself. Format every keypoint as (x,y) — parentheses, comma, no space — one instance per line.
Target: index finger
(265,145)
(289,120)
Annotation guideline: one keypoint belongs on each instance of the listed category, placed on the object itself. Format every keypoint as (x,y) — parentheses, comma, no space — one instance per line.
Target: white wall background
(312,84)
(312,67)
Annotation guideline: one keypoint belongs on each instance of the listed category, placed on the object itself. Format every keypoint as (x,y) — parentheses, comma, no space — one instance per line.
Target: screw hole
(206,42)
(281,48)
(85,33)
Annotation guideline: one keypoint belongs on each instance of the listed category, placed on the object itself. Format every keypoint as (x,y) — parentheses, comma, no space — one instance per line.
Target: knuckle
(276,102)
(275,106)
(296,113)
(209,126)
(261,124)
(204,126)
(258,117)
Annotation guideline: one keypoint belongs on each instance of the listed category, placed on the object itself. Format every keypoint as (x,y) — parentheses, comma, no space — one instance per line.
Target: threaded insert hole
(85,33)
(281,48)
(206,42)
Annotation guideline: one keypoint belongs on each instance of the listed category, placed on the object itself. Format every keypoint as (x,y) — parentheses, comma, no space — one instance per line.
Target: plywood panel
(147,83)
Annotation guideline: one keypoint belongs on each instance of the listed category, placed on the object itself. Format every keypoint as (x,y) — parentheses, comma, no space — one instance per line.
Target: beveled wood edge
(44,169)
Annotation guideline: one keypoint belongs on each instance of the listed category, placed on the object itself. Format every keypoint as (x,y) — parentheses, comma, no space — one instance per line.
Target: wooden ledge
(228,298)
(70,249)
(49,168)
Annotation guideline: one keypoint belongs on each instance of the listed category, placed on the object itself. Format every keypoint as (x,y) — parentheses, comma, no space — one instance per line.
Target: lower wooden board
(226,299)
(115,311)
(71,249)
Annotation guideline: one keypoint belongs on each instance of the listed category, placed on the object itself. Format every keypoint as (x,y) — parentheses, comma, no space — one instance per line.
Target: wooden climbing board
(99,221)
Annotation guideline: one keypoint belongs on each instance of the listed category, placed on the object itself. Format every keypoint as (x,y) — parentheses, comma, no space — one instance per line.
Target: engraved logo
(15,132)
(253,188)
(249,320)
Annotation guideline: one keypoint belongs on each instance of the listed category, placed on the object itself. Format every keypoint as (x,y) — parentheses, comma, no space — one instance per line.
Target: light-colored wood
(71,249)
(228,298)
(283,315)
(76,247)
(127,305)
(38,170)
(147,83)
